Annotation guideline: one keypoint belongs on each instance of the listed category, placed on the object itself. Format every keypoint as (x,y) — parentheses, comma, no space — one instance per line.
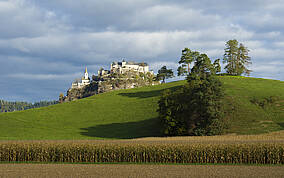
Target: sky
(45,45)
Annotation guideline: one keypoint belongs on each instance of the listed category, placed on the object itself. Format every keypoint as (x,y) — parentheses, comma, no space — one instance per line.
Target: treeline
(8,106)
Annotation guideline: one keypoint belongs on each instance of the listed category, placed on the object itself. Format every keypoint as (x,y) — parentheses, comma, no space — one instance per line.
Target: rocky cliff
(108,84)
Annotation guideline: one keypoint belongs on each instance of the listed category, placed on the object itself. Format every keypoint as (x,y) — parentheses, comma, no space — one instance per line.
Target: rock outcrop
(107,84)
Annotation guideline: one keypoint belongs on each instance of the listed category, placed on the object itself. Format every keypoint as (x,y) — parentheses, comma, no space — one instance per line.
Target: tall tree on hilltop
(203,66)
(230,56)
(217,66)
(61,98)
(164,74)
(236,57)
(244,60)
(187,57)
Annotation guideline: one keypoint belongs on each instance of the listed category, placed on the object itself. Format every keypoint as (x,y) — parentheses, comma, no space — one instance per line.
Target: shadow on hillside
(281,125)
(145,128)
(147,94)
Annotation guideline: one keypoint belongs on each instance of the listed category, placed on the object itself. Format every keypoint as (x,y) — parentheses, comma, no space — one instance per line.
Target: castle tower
(86,74)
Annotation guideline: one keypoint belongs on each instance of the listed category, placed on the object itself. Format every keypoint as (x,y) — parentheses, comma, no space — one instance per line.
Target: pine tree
(236,58)
(187,57)
(217,66)
(164,74)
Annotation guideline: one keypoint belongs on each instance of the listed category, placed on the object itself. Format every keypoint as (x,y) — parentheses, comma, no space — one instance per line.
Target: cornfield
(272,153)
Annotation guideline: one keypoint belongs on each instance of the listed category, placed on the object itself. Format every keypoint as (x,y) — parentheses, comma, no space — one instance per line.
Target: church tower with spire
(84,81)
(86,74)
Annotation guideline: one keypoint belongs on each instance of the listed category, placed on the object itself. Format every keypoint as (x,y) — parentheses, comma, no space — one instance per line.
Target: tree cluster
(236,58)
(196,108)
(8,106)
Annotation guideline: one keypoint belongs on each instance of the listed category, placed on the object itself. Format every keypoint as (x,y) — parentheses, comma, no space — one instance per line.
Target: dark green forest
(10,106)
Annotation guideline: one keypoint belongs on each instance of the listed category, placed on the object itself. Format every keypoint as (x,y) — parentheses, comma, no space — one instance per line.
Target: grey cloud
(22,19)
(125,15)
(97,15)
(269,69)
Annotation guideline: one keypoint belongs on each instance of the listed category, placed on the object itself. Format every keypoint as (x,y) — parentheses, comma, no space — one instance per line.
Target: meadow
(252,106)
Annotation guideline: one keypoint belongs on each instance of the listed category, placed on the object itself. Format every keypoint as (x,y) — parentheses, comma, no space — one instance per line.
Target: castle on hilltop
(84,81)
(115,67)
(122,75)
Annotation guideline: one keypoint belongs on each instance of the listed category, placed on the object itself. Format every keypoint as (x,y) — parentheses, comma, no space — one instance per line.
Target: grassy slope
(248,118)
(132,113)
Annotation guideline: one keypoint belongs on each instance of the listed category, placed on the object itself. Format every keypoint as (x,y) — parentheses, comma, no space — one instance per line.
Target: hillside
(244,97)
(132,113)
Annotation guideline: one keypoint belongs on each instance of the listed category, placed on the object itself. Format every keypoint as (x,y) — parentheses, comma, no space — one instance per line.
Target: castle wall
(125,67)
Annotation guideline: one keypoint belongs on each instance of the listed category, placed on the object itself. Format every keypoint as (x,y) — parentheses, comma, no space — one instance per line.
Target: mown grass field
(267,138)
(132,113)
(138,170)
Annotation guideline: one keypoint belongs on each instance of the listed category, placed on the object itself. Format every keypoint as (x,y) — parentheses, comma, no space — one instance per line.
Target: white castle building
(123,67)
(84,81)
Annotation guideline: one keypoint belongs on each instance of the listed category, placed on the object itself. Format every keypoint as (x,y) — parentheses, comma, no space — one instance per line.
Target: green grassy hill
(132,113)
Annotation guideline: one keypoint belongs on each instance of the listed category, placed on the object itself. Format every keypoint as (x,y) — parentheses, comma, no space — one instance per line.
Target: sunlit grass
(132,113)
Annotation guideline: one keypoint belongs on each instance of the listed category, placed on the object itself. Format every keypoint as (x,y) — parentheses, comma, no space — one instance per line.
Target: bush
(265,101)
(195,109)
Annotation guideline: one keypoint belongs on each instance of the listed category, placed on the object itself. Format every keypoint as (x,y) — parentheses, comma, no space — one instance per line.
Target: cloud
(269,70)
(42,76)
(267,54)
(20,18)
(92,47)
